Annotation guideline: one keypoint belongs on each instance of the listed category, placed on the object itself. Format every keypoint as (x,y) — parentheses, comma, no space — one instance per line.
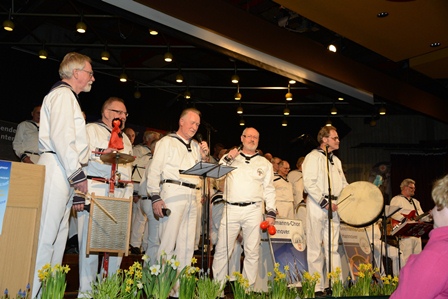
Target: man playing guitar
(405,200)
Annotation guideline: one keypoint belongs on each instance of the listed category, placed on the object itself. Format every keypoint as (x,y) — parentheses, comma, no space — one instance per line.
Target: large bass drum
(360,204)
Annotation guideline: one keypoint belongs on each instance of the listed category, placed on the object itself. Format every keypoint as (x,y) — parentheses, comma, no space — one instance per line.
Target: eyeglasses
(250,136)
(119,112)
(88,72)
(334,138)
(412,188)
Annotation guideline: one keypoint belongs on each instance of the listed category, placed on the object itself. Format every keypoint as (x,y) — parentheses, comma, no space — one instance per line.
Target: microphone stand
(330,217)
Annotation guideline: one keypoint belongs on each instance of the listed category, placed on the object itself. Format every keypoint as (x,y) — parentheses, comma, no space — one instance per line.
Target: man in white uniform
(26,140)
(177,192)
(63,146)
(98,174)
(142,154)
(284,199)
(408,245)
(295,177)
(246,188)
(315,178)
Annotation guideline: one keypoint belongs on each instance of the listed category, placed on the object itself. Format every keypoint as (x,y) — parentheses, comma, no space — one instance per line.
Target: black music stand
(207,170)
(387,213)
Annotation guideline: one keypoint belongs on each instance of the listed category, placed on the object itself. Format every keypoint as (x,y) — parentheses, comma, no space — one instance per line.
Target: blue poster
(5,178)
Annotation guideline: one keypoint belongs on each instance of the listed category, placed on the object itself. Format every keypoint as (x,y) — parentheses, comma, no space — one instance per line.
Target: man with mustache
(98,173)
(63,146)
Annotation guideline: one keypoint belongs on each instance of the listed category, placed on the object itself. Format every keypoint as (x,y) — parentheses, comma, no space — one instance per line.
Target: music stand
(207,170)
(387,213)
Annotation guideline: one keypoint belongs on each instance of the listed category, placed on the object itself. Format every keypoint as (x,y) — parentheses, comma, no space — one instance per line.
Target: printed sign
(5,179)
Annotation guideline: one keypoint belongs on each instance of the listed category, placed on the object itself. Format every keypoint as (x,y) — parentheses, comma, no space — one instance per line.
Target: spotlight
(123,77)
(333,110)
(292,81)
(43,54)
(105,55)
(382,110)
(81,27)
(328,123)
(288,95)
(284,123)
(168,57)
(239,110)
(332,48)
(286,111)
(242,123)
(238,95)
(235,79)
(153,32)
(187,94)
(179,78)
(8,25)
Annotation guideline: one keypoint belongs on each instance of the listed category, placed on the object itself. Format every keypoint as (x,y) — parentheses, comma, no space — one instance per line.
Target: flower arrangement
(206,287)
(25,294)
(362,285)
(278,286)
(240,286)
(53,280)
(336,282)
(309,284)
(389,284)
(188,281)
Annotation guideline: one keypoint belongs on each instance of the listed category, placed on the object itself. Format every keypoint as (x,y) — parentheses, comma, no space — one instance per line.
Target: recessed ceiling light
(436,44)
(382,14)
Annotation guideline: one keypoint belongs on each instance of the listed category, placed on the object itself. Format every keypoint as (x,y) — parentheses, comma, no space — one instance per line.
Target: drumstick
(344,199)
(98,204)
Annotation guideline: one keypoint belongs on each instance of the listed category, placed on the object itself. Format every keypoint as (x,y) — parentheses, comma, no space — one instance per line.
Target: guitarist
(405,200)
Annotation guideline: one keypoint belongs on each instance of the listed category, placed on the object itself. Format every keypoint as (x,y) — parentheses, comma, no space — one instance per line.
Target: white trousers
(56,205)
(152,238)
(138,225)
(234,219)
(177,232)
(88,264)
(316,236)
(408,246)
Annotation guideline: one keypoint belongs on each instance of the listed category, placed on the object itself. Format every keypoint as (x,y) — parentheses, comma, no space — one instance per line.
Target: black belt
(32,153)
(332,197)
(48,152)
(145,197)
(241,204)
(192,186)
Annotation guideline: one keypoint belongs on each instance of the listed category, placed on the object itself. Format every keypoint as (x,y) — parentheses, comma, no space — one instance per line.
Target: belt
(332,197)
(48,152)
(32,153)
(192,186)
(218,201)
(145,197)
(241,204)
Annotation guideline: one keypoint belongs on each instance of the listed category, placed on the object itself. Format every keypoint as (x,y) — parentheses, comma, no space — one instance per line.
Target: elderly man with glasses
(405,200)
(284,196)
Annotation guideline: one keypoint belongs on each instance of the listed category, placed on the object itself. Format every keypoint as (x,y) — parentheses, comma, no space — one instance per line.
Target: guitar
(408,217)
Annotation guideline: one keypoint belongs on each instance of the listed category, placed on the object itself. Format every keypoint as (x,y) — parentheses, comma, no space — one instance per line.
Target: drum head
(360,204)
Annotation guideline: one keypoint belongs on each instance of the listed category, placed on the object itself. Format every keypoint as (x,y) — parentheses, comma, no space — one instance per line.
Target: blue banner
(5,179)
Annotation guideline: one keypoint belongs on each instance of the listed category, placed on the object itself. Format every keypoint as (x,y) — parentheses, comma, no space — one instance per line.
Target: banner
(357,247)
(5,179)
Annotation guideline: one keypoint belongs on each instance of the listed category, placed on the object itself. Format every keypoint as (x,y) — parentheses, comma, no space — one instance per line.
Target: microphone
(297,138)
(230,160)
(166,212)
(199,137)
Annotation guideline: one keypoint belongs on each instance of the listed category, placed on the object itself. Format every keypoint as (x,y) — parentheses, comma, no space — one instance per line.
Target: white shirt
(27,138)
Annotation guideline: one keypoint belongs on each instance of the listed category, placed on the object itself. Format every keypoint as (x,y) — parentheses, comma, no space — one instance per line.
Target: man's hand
(78,207)
(334,207)
(270,220)
(204,150)
(27,159)
(81,187)
(157,208)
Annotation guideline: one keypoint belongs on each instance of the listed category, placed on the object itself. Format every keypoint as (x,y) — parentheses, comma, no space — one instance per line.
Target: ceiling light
(123,77)
(8,24)
(292,81)
(242,123)
(333,110)
(81,27)
(239,110)
(187,94)
(43,54)
(105,55)
(332,48)
(238,95)
(340,99)
(153,32)
(286,111)
(235,79)
(168,57)
(382,110)
(328,123)
(436,44)
(179,78)
(288,95)
(284,123)
(382,14)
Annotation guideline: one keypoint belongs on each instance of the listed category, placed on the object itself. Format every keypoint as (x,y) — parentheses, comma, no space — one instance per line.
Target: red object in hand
(264,225)
(272,230)
(116,141)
